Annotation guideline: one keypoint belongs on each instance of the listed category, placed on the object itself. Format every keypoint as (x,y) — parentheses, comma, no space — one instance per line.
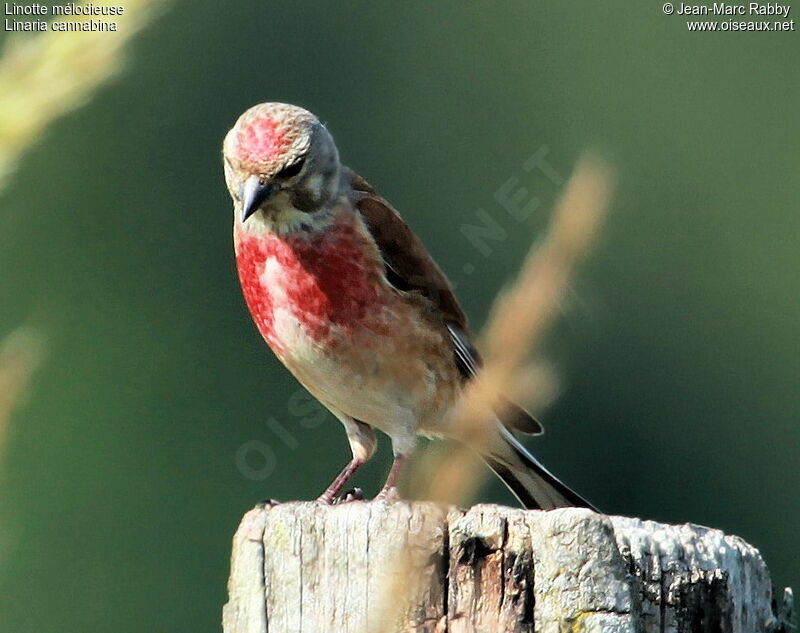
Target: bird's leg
(362,442)
(389,490)
(336,486)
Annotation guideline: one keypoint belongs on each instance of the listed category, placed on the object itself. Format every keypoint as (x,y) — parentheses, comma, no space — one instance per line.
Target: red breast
(325,280)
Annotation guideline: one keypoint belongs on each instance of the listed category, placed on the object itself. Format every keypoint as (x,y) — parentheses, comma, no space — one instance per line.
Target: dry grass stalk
(20,354)
(517,322)
(47,74)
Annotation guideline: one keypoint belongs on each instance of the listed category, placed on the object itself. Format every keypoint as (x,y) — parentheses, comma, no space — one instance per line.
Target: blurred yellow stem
(44,75)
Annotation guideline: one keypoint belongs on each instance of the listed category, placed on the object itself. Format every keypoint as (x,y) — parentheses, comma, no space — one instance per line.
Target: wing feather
(410,268)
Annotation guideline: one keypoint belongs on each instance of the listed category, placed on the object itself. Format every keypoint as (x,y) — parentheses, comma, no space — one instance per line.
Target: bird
(355,307)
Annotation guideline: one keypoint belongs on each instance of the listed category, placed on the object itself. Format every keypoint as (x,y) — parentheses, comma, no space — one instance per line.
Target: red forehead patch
(260,140)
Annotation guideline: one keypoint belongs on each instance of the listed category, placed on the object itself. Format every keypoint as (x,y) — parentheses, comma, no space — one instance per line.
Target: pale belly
(396,383)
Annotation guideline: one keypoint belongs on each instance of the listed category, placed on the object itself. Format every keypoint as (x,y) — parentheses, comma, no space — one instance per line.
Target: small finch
(351,302)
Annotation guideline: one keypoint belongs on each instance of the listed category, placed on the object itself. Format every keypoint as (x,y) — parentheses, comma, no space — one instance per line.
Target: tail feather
(534,485)
(513,416)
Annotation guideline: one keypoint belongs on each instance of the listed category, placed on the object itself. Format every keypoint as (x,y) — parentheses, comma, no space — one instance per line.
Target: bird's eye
(290,171)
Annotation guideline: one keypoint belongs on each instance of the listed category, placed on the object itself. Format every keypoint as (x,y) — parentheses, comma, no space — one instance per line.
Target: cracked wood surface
(375,567)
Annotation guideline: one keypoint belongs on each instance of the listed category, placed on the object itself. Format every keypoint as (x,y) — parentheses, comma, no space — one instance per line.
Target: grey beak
(253,195)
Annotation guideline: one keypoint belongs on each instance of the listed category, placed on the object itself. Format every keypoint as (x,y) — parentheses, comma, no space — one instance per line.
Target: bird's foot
(389,494)
(329,496)
(356,494)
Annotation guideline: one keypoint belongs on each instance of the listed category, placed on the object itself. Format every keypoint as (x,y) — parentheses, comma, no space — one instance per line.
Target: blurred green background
(677,350)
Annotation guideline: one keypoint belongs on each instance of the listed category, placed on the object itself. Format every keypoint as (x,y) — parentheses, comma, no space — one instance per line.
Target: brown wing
(410,268)
(405,256)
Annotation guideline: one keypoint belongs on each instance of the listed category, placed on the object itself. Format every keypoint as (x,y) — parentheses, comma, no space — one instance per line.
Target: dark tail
(534,485)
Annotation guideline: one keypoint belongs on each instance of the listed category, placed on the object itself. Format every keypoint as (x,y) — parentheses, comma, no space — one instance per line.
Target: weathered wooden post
(369,567)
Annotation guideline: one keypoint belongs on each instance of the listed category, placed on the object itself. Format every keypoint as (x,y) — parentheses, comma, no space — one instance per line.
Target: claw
(356,494)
